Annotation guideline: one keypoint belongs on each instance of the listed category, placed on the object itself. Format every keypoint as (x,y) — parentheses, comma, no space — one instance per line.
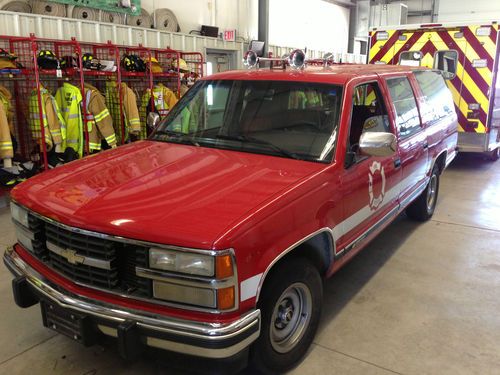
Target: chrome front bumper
(201,339)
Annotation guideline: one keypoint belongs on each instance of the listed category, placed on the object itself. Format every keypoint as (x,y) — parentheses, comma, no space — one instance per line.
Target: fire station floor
(420,299)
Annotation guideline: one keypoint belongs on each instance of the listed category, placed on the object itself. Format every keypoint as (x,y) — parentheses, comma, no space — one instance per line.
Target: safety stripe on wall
(471,84)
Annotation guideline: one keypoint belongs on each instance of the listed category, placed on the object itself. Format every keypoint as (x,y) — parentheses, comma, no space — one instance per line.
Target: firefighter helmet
(155,65)
(87,60)
(68,62)
(133,63)
(7,60)
(46,59)
(183,66)
(7,55)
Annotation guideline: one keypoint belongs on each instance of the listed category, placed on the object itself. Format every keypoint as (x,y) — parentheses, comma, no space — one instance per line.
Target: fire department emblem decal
(376,201)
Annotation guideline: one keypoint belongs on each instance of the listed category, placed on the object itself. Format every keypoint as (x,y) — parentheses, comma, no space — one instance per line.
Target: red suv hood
(160,192)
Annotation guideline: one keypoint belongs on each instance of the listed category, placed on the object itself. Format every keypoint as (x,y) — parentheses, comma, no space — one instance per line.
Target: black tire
(294,287)
(494,155)
(422,208)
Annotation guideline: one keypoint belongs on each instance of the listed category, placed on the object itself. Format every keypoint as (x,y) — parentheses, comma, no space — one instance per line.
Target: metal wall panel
(21,24)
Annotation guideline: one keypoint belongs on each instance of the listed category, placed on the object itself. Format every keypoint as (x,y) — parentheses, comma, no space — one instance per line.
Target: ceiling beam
(342,3)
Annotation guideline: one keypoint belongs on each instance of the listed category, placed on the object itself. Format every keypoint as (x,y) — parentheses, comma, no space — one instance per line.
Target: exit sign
(229,35)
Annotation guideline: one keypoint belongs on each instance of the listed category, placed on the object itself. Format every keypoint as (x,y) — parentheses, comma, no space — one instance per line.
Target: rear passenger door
(412,139)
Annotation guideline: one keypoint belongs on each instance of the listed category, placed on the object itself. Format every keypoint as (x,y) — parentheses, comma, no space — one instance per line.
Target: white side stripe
(364,213)
(249,287)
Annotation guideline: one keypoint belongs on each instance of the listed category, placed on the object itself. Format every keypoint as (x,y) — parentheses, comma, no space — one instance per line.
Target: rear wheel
(494,155)
(290,306)
(423,207)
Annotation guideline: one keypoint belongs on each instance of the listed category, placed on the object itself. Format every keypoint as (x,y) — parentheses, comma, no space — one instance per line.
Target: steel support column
(264,23)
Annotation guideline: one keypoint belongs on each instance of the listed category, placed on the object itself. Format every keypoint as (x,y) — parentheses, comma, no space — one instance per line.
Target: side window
(446,61)
(407,118)
(438,99)
(368,113)
(410,58)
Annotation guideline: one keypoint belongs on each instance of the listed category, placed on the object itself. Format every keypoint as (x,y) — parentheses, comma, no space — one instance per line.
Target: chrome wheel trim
(290,318)
(432,193)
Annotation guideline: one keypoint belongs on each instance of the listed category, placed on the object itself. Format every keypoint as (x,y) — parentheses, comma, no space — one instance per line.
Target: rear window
(407,118)
(438,99)
(410,58)
(446,62)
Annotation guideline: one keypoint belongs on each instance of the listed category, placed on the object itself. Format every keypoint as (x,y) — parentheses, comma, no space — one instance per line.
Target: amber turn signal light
(224,267)
(225,298)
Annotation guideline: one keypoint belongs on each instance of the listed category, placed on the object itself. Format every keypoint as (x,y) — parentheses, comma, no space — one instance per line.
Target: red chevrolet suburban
(212,237)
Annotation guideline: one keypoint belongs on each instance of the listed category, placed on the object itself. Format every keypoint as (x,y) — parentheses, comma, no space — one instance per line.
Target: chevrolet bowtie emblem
(72,257)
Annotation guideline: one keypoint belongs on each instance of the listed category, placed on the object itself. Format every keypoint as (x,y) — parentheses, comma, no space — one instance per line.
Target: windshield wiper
(177,137)
(247,139)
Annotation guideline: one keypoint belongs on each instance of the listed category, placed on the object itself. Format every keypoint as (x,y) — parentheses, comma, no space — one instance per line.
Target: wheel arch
(440,161)
(318,247)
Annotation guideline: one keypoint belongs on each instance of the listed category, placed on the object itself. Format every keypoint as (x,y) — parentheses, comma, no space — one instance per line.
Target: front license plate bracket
(76,326)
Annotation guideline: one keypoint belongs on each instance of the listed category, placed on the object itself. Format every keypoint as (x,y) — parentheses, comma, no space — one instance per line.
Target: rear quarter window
(438,102)
(403,99)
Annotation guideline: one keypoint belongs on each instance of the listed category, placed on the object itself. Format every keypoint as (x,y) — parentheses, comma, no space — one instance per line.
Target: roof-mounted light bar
(296,59)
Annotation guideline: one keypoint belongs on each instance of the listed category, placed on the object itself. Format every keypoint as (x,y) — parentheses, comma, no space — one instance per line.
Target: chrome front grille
(91,260)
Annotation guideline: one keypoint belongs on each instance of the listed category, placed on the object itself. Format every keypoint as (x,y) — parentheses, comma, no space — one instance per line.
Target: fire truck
(468,55)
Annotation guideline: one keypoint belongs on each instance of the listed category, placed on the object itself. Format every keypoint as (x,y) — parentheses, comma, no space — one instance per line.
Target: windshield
(297,120)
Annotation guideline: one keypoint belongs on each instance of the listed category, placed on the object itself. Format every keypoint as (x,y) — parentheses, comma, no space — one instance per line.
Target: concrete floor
(421,299)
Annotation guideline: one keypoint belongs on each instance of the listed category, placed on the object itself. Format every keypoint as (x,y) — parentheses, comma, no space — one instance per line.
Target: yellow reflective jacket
(99,122)
(69,100)
(53,122)
(6,149)
(304,99)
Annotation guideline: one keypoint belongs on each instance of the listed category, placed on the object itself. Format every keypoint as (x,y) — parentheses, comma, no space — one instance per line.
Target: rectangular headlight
(176,261)
(19,214)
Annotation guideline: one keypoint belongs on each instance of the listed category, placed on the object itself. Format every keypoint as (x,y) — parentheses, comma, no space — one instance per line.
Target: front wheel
(423,207)
(291,307)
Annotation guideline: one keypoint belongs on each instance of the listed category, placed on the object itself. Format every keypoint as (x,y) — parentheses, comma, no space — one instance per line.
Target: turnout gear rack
(46,109)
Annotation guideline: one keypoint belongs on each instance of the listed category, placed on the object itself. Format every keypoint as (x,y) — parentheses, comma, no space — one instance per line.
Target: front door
(369,183)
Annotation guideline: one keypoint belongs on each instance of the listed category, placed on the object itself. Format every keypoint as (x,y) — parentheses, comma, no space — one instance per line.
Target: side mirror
(377,144)
(153,120)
